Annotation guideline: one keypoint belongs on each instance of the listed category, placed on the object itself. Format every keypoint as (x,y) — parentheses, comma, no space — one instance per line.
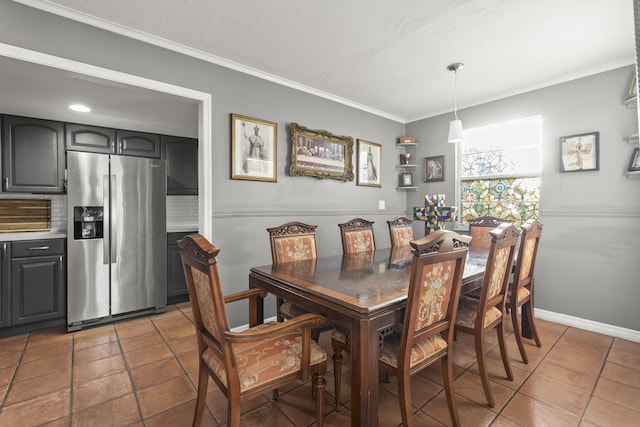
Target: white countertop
(62,234)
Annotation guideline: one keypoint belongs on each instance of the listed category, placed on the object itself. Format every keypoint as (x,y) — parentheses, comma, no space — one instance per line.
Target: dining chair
(479,230)
(426,333)
(400,231)
(478,316)
(357,236)
(521,288)
(245,364)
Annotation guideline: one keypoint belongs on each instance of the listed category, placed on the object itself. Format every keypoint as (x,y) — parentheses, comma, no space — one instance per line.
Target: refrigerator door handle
(107,219)
(114,221)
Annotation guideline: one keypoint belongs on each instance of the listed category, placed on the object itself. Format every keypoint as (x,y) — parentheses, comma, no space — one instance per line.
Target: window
(499,171)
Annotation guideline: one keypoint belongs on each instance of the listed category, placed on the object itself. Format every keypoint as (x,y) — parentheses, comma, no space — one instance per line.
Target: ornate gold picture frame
(320,154)
(254,149)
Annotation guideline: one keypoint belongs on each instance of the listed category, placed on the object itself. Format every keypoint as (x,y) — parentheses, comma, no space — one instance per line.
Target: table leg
(364,375)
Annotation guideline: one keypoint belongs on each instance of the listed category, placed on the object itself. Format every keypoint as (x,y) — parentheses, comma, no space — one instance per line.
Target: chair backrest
(479,230)
(293,241)
(527,255)
(205,293)
(434,288)
(400,231)
(357,236)
(495,282)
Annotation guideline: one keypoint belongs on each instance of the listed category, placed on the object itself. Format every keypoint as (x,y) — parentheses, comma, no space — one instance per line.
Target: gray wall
(588,259)
(588,263)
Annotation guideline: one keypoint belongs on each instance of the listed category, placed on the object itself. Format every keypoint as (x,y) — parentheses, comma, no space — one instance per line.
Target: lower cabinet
(176,284)
(36,282)
(5,254)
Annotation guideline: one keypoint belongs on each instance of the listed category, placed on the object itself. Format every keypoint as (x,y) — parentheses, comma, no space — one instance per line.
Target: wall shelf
(406,188)
(403,167)
(630,102)
(403,145)
(633,174)
(631,139)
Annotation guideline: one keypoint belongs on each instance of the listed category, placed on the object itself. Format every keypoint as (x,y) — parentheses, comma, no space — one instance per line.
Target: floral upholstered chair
(477,316)
(521,289)
(426,334)
(400,231)
(245,364)
(479,230)
(357,236)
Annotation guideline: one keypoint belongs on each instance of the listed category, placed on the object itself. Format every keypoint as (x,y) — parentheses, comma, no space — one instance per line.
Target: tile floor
(142,373)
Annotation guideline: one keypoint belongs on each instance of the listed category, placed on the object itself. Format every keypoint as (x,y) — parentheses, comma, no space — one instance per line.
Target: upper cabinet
(181,155)
(32,155)
(92,139)
(139,144)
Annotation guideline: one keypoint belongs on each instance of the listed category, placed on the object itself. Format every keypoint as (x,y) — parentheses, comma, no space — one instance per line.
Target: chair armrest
(306,321)
(249,293)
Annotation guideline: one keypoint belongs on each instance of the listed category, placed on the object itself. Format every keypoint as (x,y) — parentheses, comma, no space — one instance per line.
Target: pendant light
(456,133)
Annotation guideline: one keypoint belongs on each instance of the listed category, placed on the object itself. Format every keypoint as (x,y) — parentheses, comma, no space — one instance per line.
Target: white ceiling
(387,57)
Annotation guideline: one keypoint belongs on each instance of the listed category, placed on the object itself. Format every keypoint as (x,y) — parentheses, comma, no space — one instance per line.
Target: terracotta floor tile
(98,368)
(576,360)
(626,345)
(422,389)
(164,396)
(527,411)
(555,394)
(121,411)
(49,336)
(96,336)
(582,344)
(37,411)
(181,416)
(624,358)
(178,332)
(40,367)
(97,352)
(189,360)
(91,393)
(134,327)
(42,352)
(3,392)
(141,341)
(13,344)
(170,320)
(421,419)
(35,387)
(592,338)
(156,372)
(10,359)
(434,373)
(147,355)
(60,422)
(300,407)
(621,374)
(469,385)
(620,394)
(469,412)
(498,375)
(607,414)
(502,421)
(183,345)
(567,376)
(6,375)
(217,403)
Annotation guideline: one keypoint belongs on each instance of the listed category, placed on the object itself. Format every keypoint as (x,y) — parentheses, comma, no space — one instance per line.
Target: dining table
(364,293)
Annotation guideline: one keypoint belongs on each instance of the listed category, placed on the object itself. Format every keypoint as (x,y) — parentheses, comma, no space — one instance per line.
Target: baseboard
(589,325)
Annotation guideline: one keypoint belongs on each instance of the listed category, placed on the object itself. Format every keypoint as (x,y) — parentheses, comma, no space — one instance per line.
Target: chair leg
(319,385)
(404,395)
(502,342)
(482,368)
(527,308)
(518,335)
(447,376)
(337,373)
(203,384)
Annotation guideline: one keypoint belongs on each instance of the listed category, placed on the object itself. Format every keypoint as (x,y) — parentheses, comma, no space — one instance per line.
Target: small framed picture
(434,169)
(634,164)
(406,180)
(254,144)
(369,158)
(579,152)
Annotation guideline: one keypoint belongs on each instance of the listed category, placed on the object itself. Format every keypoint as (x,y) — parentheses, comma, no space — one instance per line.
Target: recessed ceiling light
(79,108)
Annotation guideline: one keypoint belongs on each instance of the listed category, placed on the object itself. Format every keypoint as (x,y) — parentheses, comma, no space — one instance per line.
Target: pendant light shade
(456,133)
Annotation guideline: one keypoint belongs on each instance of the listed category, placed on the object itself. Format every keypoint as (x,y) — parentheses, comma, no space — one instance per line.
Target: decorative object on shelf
(369,163)
(633,87)
(407,140)
(456,133)
(434,169)
(405,158)
(634,164)
(406,180)
(435,213)
(254,144)
(320,154)
(580,152)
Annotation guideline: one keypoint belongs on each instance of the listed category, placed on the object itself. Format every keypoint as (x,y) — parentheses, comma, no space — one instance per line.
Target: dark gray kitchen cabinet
(32,155)
(91,139)
(176,283)
(181,155)
(139,144)
(38,278)
(4,284)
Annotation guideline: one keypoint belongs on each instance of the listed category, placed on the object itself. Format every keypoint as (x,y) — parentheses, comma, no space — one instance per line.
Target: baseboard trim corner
(589,325)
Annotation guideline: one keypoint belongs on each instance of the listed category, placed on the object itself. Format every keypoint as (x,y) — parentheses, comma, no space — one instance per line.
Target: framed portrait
(320,154)
(405,180)
(580,152)
(369,158)
(634,163)
(254,149)
(434,169)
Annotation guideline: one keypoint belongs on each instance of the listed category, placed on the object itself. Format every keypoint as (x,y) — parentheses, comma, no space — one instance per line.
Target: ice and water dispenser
(88,222)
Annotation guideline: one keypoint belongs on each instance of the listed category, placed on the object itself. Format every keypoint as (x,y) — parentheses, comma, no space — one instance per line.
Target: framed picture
(634,164)
(369,158)
(254,145)
(321,154)
(406,180)
(434,169)
(580,152)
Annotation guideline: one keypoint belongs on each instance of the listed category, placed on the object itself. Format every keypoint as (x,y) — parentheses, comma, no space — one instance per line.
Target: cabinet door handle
(6,183)
(61,262)
(39,248)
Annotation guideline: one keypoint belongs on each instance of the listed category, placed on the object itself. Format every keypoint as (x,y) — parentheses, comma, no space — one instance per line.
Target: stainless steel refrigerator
(117,241)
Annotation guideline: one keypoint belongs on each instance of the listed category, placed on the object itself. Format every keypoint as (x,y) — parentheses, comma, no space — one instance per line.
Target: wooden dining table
(365,293)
